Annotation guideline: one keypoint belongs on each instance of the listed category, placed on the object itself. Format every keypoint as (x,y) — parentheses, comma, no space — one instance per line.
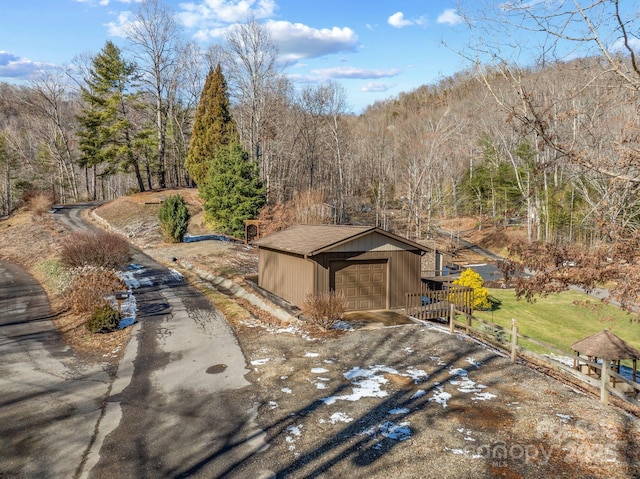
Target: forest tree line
(553,146)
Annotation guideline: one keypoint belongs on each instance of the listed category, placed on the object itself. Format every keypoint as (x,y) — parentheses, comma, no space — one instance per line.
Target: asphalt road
(177,406)
(50,401)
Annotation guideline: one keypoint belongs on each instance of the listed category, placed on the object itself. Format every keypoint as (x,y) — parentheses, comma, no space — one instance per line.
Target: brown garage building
(370,266)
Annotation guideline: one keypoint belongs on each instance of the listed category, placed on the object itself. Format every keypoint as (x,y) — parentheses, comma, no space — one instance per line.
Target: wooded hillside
(553,147)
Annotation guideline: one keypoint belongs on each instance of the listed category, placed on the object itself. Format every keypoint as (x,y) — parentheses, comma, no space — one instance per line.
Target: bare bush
(40,202)
(91,288)
(324,309)
(95,248)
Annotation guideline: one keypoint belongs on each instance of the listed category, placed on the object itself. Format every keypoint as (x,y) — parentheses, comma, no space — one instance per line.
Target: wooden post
(604,381)
(452,318)
(468,328)
(514,341)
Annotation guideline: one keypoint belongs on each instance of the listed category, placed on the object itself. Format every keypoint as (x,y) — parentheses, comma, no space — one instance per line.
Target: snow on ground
(389,430)
(291,329)
(260,362)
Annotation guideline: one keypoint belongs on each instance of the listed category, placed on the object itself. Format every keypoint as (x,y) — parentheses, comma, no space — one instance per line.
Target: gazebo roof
(606,345)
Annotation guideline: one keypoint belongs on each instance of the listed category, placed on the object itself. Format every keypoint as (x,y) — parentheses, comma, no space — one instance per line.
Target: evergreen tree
(108,137)
(232,191)
(213,126)
(174,219)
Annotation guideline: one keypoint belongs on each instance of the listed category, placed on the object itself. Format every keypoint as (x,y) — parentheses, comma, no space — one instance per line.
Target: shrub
(94,248)
(174,219)
(103,320)
(472,279)
(324,309)
(41,202)
(90,289)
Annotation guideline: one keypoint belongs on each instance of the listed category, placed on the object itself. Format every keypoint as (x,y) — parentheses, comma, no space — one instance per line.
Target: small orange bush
(40,203)
(91,287)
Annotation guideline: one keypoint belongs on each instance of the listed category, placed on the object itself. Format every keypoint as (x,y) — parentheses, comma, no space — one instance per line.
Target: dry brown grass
(41,203)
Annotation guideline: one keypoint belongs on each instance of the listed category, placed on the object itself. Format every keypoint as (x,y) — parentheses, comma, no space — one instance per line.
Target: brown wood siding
(403,271)
(286,275)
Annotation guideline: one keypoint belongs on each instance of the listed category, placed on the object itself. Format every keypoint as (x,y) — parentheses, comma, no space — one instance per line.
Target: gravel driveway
(415,401)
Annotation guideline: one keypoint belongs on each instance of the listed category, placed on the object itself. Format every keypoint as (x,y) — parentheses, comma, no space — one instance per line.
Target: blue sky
(374,48)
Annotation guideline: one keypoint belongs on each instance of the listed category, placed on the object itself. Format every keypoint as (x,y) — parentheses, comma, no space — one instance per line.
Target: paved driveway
(178,404)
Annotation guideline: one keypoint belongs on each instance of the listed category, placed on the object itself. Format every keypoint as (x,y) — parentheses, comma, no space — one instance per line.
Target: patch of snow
(259,362)
(399,410)
(323,379)
(286,390)
(321,386)
(319,370)
(468,386)
(408,350)
(195,238)
(561,359)
(342,326)
(456,451)
(311,355)
(327,361)
(390,430)
(418,375)
(175,275)
(474,362)
(130,279)
(340,417)
(482,396)
(419,394)
(440,396)
(126,322)
(458,372)
(438,360)
(273,404)
(564,417)
(295,430)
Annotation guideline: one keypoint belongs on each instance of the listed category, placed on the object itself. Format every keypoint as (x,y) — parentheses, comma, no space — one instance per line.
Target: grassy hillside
(562,319)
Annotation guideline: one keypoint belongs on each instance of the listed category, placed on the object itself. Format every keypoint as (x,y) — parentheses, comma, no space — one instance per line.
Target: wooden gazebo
(606,346)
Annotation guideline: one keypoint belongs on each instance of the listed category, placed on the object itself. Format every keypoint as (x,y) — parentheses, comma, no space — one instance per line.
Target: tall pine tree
(228,180)
(213,126)
(108,137)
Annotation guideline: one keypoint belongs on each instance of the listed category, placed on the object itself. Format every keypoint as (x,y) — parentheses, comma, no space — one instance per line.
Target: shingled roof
(310,240)
(606,345)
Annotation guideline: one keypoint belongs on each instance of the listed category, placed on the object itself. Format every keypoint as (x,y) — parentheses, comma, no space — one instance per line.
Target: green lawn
(557,320)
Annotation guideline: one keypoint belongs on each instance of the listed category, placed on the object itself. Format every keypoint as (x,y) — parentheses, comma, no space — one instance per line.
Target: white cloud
(397,20)
(352,72)
(207,13)
(297,41)
(619,47)
(105,3)
(449,17)
(121,25)
(12,66)
(377,87)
